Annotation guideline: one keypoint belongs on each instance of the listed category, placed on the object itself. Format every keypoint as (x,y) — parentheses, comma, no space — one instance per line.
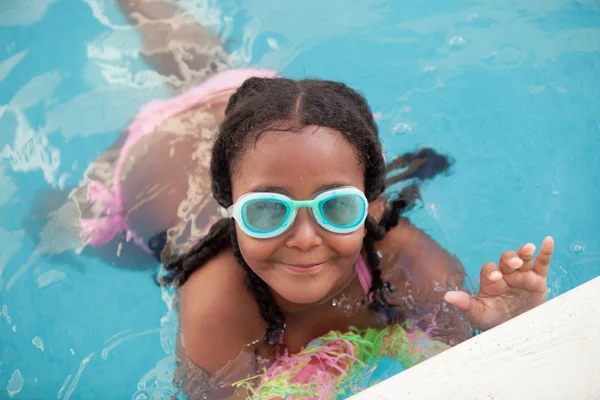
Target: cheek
(256,252)
(347,246)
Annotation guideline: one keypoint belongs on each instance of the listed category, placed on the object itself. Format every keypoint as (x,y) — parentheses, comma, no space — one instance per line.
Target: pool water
(510,89)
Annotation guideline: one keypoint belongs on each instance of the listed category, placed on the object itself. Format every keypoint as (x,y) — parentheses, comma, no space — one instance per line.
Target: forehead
(300,162)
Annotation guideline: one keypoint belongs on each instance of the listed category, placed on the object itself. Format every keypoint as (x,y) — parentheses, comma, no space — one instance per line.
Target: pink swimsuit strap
(101,230)
(364,275)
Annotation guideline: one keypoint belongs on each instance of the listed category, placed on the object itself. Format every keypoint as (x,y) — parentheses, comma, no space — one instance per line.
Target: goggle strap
(226,212)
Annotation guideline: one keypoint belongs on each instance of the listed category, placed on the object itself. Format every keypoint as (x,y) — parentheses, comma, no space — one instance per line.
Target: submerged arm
(421,272)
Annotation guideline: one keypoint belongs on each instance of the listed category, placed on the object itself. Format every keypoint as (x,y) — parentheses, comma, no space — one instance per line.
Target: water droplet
(437,287)
(457,41)
(72,352)
(577,247)
(409,301)
(140,395)
(347,309)
(401,128)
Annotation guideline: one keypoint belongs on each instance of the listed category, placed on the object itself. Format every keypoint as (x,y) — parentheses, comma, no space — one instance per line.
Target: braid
(403,202)
(209,246)
(380,290)
(269,310)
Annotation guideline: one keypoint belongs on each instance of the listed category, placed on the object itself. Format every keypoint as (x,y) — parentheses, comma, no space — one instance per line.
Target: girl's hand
(517,284)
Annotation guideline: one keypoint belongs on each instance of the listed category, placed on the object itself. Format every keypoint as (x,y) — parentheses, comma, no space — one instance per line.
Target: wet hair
(259,105)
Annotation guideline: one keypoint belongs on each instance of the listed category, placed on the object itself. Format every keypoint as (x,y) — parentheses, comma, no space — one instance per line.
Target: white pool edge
(551,352)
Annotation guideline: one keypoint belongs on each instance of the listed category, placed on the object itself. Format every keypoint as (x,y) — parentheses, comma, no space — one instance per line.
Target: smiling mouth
(304,268)
(304,265)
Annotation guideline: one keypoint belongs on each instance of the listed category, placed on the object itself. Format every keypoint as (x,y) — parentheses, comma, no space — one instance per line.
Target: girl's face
(307,264)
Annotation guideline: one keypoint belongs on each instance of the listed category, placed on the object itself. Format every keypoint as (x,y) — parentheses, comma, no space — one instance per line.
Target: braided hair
(255,107)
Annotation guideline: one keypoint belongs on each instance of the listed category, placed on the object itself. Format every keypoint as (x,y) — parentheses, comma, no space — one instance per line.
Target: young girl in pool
(306,277)
(298,170)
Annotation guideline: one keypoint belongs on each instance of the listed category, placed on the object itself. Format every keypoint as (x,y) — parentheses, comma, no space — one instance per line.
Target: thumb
(474,310)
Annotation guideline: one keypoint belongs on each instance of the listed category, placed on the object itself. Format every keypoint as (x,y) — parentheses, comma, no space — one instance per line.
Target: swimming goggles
(267,215)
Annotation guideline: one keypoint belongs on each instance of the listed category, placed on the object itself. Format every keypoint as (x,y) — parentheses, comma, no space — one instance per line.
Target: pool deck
(551,352)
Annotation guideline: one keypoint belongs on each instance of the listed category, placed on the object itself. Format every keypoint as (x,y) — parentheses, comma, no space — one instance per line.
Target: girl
(306,275)
(309,247)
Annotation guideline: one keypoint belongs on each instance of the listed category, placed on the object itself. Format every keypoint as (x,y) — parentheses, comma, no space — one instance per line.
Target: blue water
(511,89)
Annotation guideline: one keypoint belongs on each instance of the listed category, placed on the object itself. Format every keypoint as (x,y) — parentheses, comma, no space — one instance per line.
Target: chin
(306,287)
(303,297)
(305,292)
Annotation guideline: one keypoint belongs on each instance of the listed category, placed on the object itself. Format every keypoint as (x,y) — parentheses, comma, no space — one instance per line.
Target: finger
(510,262)
(542,261)
(474,310)
(526,253)
(490,279)
(460,300)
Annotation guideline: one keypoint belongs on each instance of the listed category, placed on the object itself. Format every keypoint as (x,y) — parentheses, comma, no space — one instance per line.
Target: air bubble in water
(577,247)
(457,41)
(402,128)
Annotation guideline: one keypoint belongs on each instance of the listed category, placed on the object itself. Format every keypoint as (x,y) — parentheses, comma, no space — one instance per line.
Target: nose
(304,234)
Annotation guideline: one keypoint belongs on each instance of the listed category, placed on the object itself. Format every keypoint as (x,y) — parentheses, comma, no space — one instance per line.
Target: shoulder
(218,314)
(410,254)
